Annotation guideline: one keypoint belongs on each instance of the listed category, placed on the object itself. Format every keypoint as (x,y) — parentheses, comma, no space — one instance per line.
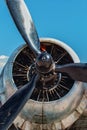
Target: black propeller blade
(13,105)
(24,23)
(77,71)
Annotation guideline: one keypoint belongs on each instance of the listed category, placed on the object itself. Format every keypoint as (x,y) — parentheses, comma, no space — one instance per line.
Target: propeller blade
(77,71)
(24,23)
(13,105)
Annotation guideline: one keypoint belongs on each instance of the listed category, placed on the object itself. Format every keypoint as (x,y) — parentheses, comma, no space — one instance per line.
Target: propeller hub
(44,62)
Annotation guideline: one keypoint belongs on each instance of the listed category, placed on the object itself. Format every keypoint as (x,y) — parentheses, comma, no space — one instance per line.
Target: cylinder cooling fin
(56,85)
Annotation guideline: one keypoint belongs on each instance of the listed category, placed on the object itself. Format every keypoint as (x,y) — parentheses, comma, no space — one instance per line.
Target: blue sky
(65,20)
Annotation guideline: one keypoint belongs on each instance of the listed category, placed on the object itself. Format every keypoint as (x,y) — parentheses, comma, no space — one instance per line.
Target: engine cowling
(62,103)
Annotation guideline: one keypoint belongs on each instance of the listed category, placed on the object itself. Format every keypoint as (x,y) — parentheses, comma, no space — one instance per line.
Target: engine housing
(62,110)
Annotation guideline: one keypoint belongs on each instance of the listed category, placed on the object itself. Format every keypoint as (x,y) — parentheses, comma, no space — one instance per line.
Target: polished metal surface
(24,23)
